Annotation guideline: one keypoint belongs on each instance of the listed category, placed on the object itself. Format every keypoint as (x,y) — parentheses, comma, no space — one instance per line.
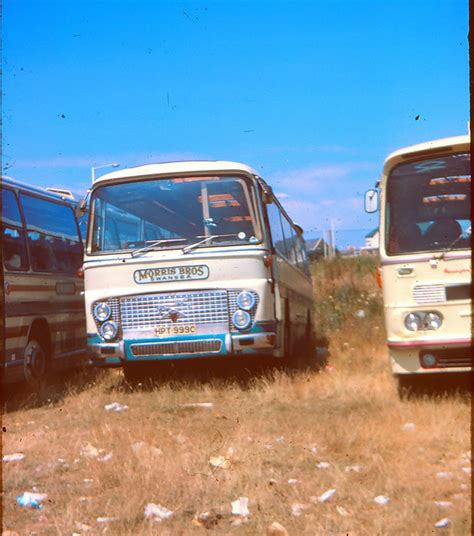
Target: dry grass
(271,427)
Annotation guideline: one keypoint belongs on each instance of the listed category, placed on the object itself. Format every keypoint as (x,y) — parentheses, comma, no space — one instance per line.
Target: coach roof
(171,168)
(427,149)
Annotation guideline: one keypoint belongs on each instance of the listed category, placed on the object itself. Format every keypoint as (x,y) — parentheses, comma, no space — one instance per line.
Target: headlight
(241,319)
(413,322)
(246,300)
(433,321)
(108,331)
(102,312)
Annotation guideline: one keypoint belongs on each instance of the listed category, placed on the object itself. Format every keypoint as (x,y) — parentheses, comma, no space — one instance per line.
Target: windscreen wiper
(155,243)
(205,240)
(463,234)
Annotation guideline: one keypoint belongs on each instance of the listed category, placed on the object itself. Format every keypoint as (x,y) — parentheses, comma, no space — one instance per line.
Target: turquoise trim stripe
(132,358)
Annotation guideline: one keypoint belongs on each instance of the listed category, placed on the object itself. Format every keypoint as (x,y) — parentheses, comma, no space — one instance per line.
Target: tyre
(35,366)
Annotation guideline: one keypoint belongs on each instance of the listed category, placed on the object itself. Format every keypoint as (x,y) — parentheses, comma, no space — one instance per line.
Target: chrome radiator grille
(180,347)
(141,312)
(429,293)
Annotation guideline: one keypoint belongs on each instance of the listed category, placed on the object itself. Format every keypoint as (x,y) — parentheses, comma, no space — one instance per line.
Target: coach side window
(274,218)
(53,237)
(13,235)
(290,237)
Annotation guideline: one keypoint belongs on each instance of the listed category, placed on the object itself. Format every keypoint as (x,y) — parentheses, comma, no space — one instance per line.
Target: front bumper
(451,356)
(257,341)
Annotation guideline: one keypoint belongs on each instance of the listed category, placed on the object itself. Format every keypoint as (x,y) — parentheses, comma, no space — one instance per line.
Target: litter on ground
(323,465)
(409,427)
(342,511)
(31,499)
(105,457)
(220,462)
(353,468)
(444,474)
(293,481)
(116,407)
(157,512)
(442,523)
(327,495)
(205,405)
(102,520)
(443,504)
(17,457)
(89,451)
(240,507)
(382,500)
(297,509)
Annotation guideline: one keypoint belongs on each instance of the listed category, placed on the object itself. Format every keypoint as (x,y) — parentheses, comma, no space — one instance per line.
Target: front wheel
(35,366)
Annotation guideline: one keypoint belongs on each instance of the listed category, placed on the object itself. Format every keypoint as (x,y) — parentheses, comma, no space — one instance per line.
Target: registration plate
(166,331)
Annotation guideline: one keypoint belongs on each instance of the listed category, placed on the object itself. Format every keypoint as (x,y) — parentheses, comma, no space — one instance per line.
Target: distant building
(315,247)
(372,241)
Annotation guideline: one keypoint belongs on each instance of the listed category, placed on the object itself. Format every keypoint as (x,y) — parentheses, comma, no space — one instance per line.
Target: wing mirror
(267,195)
(81,208)
(371,201)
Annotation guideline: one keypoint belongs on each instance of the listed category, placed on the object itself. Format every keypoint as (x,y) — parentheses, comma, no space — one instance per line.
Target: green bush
(345,289)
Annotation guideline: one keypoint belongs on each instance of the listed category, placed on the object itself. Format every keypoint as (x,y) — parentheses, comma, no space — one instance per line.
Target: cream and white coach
(193,259)
(425,249)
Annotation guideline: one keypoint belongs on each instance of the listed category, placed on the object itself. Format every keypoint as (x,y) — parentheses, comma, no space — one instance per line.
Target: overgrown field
(281,441)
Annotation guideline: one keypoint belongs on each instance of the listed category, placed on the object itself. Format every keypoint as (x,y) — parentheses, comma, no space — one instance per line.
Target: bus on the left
(43,306)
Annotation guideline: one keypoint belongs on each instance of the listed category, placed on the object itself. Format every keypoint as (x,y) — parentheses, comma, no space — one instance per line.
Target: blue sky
(314,95)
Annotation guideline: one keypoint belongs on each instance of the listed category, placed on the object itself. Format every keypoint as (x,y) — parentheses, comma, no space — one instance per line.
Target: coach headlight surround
(413,322)
(241,319)
(102,311)
(246,300)
(432,321)
(108,330)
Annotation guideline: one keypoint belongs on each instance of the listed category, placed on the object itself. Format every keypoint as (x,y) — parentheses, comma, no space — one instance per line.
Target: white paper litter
(206,405)
(327,495)
(116,407)
(409,427)
(105,457)
(89,451)
(323,465)
(353,468)
(382,500)
(220,462)
(444,474)
(360,313)
(442,523)
(342,511)
(297,509)
(293,481)
(443,504)
(240,507)
(106,519)
(157,512)
(16,457)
